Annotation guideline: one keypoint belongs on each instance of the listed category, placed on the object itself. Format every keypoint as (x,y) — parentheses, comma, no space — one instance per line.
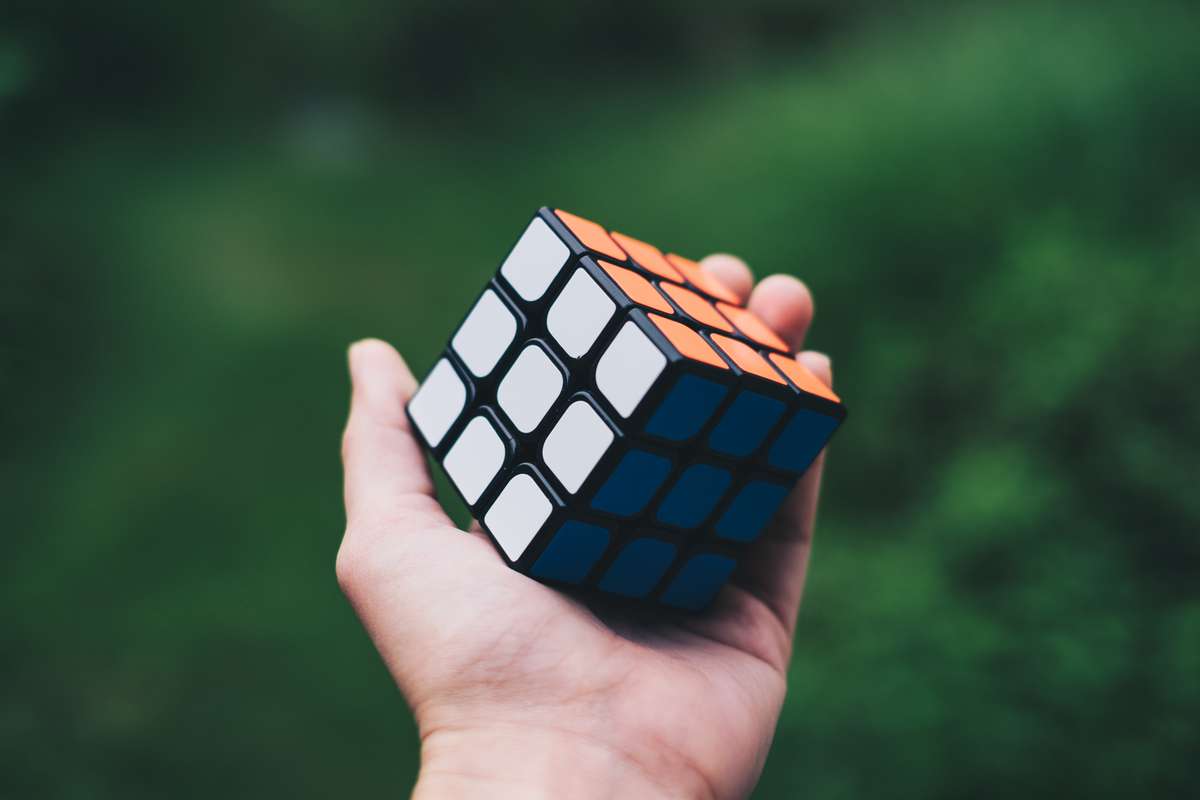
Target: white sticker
(579,314)
(438,402)
(575,445)
(485,334)
(535,260)
(530,388)
(518,514)
(628,368)
(473,461)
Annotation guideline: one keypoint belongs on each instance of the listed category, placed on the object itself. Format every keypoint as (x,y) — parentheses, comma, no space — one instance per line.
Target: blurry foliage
(257,56)
(998,211)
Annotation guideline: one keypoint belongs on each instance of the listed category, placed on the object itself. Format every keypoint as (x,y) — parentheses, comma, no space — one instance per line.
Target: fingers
(782,301)
(399,549)
(387,477)
(731,271)
(786,305)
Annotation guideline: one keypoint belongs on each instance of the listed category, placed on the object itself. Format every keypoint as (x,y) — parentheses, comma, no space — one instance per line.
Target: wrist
(519,762)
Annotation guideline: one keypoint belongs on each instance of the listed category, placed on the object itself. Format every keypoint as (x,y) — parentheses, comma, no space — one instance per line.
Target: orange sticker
(747,358)
(697,307)
(749,323)
(638,289)
(592,235)
(648,257)
(689,343)
(803,378)
(701,279)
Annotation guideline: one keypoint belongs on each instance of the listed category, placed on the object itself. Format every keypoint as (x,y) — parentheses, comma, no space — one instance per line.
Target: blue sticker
(751,510)
(698,582)
(638,567)
(744,425)
(694,495)
(685,409)
(632,484)
(572,552)
(801,440)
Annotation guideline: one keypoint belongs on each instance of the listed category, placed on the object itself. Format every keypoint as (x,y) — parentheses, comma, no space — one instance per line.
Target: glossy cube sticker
(615,419)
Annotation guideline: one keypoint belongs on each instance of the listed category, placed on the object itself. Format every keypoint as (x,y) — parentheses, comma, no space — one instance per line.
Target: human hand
(522,691)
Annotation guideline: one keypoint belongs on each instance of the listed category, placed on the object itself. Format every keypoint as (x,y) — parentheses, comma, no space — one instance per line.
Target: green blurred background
(997,208)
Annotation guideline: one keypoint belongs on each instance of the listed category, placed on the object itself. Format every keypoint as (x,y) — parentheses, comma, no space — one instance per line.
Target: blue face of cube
(744,425)
(750,511)
(694,496)
(632,483)
(686,408)
(801,440)
(697,583)
(638,568)
(575,548)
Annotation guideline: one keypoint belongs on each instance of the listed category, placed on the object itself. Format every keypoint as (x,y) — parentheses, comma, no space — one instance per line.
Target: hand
(519,690)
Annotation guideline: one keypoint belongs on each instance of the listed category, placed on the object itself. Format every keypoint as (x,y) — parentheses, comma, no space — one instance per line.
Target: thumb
(387,478)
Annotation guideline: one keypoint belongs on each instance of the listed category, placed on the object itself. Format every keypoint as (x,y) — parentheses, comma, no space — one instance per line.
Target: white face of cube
(473,461)
(485,334)
(530,388)
(438,402)
(535,260)
(628,368)
(518,514)
(575,444)
(579,314)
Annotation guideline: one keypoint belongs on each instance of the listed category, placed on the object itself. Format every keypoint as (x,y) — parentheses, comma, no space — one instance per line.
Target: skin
(521,691)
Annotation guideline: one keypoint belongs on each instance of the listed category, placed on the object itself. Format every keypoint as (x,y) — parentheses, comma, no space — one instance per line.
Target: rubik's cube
(615,419)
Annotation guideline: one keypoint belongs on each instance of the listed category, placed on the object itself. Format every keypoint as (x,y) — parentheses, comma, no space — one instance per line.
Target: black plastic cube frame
(523,450)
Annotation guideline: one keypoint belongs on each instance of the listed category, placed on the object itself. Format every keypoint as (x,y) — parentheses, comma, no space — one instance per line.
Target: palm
(703,691)
(548,654)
